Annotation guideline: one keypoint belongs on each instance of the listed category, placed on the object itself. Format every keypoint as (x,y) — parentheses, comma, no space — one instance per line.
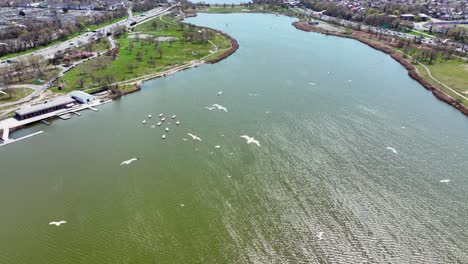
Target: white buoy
(174,116)
(167,129)
(163,136)
(177,123)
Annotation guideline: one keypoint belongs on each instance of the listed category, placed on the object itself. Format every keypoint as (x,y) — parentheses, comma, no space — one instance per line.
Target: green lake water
(324,110)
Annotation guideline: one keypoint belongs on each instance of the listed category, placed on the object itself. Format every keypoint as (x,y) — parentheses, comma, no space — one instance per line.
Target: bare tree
(152,61)
(161,52)
(131,67)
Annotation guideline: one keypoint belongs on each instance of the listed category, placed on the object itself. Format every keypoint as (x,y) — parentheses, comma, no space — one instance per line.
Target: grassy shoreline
(140,55)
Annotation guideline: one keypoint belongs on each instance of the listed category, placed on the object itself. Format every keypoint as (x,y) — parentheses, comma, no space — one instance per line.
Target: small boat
(167,129)
(161,115)
(143,122)
(163,137)
(159,123)
(162,119)
(149,116)
(174,116)
(177,123)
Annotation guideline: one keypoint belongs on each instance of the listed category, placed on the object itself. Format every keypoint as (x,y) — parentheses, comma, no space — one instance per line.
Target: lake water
(324,110)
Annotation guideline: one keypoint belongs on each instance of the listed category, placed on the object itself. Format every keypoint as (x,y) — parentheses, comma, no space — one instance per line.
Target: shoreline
(193,64)
(412,70)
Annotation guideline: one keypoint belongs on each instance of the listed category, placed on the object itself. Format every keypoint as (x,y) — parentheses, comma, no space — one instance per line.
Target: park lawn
(16,95)
(48,74)
(453,73)
(177,53)
(421,33)
(76,34)
(100,45)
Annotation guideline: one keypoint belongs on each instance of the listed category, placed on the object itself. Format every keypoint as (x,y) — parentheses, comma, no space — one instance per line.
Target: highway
(85,38)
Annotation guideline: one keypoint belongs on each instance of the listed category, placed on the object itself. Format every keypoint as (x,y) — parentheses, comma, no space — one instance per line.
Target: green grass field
(177,53)
(452,73)
(17,94)
(93,27)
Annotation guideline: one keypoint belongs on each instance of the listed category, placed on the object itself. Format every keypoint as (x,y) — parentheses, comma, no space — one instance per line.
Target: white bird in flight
(320,235)
(210,108)
(220,107)
(57,223)
(250,140)
(445,181)
(194,137)
(311,83)
(393,150)
(2,92)
(127,162)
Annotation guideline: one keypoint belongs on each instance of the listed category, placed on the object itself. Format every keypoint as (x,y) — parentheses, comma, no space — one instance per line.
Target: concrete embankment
(412,71)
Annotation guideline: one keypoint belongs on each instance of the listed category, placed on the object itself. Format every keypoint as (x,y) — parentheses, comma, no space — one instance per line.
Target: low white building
(82,97)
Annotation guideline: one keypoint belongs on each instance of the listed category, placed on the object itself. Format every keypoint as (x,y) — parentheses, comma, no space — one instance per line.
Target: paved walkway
(433,78)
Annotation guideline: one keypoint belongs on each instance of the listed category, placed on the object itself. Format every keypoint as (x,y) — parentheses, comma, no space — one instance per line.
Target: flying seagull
(393,150)
(210,108)
(320,235)
(127,162)
(220,107)
(250,140)
(57,223)
(445,181)
(194,137)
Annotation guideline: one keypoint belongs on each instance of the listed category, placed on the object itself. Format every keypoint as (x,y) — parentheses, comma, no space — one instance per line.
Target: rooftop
(46,105)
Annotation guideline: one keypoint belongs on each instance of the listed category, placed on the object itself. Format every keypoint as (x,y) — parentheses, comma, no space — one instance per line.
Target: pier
(11,124)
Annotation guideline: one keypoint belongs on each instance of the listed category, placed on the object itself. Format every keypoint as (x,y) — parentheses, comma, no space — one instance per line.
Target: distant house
(82,97)
(424,17)
(408,17)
